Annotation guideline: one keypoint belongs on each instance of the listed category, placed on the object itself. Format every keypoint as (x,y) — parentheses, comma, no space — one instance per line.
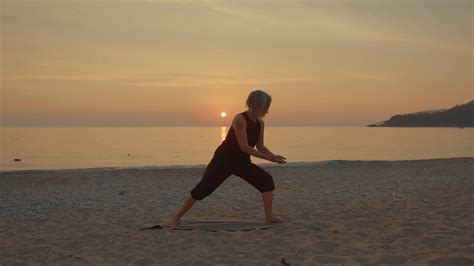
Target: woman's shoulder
(239,119)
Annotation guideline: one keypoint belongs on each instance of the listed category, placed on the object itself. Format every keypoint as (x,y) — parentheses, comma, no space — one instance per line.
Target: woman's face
(264,114)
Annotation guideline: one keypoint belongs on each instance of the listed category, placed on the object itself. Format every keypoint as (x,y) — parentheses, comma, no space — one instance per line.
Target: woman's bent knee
(268,184)
(196,195)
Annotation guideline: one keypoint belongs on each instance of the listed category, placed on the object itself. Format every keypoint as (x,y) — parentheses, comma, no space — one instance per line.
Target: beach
(413,212)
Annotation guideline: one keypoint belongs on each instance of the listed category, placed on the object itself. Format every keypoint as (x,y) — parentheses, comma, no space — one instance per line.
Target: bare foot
(172,224)
(274,219)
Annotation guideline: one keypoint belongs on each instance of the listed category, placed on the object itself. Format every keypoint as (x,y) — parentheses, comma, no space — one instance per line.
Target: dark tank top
(230,145)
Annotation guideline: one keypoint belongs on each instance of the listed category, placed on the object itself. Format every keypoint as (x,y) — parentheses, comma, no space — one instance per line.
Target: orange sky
(180,63)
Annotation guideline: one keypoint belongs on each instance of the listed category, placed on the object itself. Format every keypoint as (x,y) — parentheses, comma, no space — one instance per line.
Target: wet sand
(417,212)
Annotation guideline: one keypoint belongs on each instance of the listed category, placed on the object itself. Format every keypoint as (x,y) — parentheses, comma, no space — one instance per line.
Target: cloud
(343,25)
(175,80)
(372,76)
(222,82)
(255,18)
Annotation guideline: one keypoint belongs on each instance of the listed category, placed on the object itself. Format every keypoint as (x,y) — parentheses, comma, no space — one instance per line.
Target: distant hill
(458,116)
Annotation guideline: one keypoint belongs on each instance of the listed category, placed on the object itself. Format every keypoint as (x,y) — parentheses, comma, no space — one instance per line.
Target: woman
(232,156)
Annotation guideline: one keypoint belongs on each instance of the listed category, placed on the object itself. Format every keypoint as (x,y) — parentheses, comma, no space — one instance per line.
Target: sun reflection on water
(223,133)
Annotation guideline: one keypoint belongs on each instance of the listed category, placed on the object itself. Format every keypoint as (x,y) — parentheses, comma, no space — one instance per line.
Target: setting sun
(223,114)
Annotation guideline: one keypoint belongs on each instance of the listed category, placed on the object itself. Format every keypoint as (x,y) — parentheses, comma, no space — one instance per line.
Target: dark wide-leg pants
(222,166)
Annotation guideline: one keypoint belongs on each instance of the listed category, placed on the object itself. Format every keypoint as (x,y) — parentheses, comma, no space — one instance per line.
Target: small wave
(189,166)
(158,167)
(95,169)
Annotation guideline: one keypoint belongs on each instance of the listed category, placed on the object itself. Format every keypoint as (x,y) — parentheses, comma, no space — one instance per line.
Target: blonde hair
(259,101)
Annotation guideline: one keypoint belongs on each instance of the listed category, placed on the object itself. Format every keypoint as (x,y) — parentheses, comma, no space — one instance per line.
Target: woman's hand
(277,159)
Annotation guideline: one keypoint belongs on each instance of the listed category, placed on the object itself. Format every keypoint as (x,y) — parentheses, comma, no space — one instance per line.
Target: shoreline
(199,166)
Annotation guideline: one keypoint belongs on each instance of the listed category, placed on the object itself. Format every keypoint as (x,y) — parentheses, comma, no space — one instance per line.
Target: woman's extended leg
(188,202)
(216,172)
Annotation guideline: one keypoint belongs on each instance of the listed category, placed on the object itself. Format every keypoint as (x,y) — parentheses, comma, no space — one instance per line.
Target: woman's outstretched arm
(266,151)
(261,146)
(260,143)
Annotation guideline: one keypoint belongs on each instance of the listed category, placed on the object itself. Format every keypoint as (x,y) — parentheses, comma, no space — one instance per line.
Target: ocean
(175,147)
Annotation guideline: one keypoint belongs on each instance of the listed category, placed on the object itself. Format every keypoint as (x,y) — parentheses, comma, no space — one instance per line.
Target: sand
(418,212)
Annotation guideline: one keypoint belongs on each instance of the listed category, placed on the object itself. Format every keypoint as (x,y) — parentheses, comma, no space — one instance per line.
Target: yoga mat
(217,225)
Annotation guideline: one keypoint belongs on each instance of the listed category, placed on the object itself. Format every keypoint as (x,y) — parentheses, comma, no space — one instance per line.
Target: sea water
(178,147)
